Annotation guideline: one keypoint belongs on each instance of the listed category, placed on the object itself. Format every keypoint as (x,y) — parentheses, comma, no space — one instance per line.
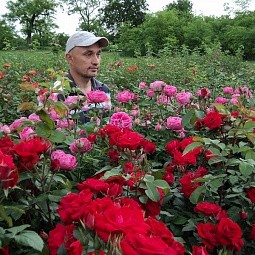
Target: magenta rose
(81,145)
(125,96)
(66,161)
(170,91)
(121,120)
(96,96)
(183,98)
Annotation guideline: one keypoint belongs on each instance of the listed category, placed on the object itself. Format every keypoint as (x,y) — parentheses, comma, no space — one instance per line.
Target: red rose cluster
(121,221)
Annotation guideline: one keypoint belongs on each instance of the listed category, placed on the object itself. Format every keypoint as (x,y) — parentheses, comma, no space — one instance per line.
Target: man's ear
(69,58)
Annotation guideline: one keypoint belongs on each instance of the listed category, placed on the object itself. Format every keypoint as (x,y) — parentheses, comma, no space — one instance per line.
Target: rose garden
(170,171)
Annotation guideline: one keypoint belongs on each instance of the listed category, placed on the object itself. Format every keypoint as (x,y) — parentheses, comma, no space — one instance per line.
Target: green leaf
(162,184)
(25,106)
(191,147)
(57,136)
(42,130)
(143,199)
(196,197)
(31,239)
(5,217)
(111,173)
(186,118)
(245,169)
(16,230)
(44,116)
(152,192)
(148,178)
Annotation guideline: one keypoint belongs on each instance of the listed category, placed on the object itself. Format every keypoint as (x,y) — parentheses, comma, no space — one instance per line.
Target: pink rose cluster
(66,161)
(81,145)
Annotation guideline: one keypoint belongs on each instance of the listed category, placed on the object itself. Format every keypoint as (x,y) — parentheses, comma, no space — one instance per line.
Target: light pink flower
(158,127)
(33,116)
(97,96)
(228,90)
(81,145)
(119,63)
(170,91)
(65,124)
(27,133)
(142,85)
(244,91)
(54,115)
(221,100)
(157,85)
(234,100)
(150,93)
(135,112)
(6,129)
(162,99)
(174,123)
(183,98)
(72,100)
(125,96)
(121,120)
(66,161)
(18,123)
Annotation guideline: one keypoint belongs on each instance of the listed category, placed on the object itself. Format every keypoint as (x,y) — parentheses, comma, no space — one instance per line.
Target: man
(83,53)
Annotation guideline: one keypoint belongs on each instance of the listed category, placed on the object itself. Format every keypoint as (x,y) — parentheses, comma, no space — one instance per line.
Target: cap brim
(103,42)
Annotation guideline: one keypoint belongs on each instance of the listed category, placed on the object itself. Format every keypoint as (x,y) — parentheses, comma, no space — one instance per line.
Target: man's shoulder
(98,85)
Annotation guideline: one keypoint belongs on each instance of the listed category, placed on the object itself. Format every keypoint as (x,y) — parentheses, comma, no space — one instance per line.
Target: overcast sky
(68,24)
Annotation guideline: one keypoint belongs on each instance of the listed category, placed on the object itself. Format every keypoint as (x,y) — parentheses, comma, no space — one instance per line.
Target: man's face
(85,60)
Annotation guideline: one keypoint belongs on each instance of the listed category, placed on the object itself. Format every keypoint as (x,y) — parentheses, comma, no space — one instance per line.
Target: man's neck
(83,83)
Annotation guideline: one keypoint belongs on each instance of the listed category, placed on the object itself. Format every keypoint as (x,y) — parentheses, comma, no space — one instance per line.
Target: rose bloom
(156,85)
(234,100)
(96,96)
(162,99)
(158,127)
(6,144)
(174,123)
(121,120)
(27,133)
(17,123)
(252,235)
(208,209)
(118,221)
(125,96)
(61,235)
(66,161)
(230,234)
(65,124)
(170,91)
(228,90)
(251,194)
(142,85)
(148,146)
(72,100)
(172,147)
(199,250)
(150,93)
(213,120)
(209,234)
(54,115)
(94,185)
(6,166)
(81,145)
(138,243)
(221,100)
(203,93)
(183,98)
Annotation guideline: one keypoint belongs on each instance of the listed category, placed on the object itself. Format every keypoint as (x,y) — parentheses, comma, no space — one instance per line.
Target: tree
(7,34)
(87,10)
(115,13)
(35,16)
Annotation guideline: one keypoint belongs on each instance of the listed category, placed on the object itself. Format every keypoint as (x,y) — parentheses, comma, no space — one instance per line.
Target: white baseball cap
(84,38)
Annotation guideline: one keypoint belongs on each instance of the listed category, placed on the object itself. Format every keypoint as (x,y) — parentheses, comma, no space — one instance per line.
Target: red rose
(12,180)
(148,146)
(178,247)
(61,235)
(92,138)
(209,234)
(5,144)
(129,167)
(109,130)
(5,250)
(199,250)
(114,190)
(208,209)
(213,120)
(113,154)
(119,221)
(137,244)
(6,166)
(252,235)
(251,194)
(168,177)
(229,234)
(95,185)
(172,147)
(73,206)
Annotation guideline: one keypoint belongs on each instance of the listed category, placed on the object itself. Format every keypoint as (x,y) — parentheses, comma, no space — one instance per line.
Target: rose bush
(169,171)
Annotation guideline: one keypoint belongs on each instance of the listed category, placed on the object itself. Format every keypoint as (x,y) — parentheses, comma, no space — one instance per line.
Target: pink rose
(170,91)
(5,129)
(174,123)
(228,90)
(158,127)
(156,85)
(142,85)
(97,96)
(72,100)
(183,98)
(66,161)
(65,124)
(81,145)
(121,120)
(234,100)
(125,96)
(17,123)
(27,133)
(150,93)
(35,117)
(162,99)
(54,115)
(221,100)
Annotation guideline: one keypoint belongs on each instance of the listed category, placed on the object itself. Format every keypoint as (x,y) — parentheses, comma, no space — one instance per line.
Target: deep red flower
(199,250)
(96,186)
(114,190)
(92,138)
(252,235)
(5,250)
(118,221)
(61,235)
(213,120)
(209,234)
(230,234)
(129,167)
(138,243)
(251,194)
(148,146)
(208,209)
(172,147)
(5,144)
